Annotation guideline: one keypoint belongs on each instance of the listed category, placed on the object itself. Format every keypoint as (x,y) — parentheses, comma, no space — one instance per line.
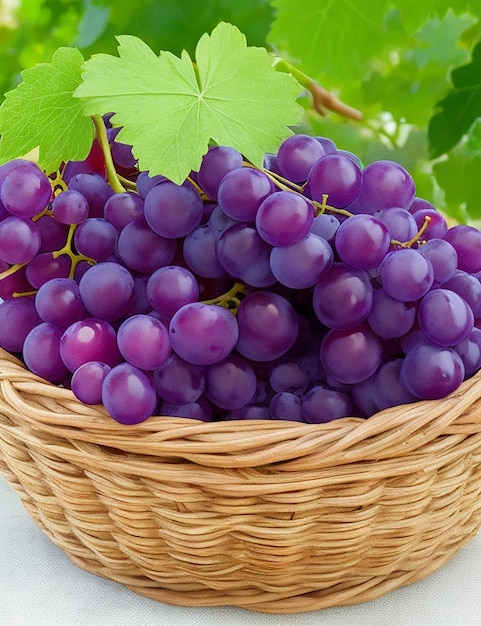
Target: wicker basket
(274,517)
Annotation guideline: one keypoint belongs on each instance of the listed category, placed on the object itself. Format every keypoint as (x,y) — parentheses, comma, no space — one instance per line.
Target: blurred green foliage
(413,68)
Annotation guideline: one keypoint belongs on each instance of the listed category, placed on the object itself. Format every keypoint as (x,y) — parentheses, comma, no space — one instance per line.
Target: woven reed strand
(274,517)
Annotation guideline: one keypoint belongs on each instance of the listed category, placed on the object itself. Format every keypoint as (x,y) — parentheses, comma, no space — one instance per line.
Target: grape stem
(101,134)
(322,99)
(75,257)
(230,299)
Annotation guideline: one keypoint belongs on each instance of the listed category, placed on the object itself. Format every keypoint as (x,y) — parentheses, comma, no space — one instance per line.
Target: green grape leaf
(459,109)
(42,113)
(169,108)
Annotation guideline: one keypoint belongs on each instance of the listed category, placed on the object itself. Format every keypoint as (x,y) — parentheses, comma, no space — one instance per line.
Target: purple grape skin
(179,382)
(390,318)
(468,287)
(296,156)
(268,326)
(70,207)
(25,190)
(96,238)
(171,210)
(58,301)
(286,406)
(200,409)
(437,226)
(95,189)
(169,288)
(284,218)
(107,290)
(400,223)
(128,394)
(443,258)
(143,342)
(444,317)
(89,339)
(385,184)
(45,267)
(200,252)
(142,250)
(338,176)
(302,265)
(432,372)
(87,381)
(406,274)
(18,316)
(203,334)
(249,412)
(41,352)
(466,240)
(241,192)
(230,383)
(122,208)
(321,404)
(362,241)
(19,240)
(218,161)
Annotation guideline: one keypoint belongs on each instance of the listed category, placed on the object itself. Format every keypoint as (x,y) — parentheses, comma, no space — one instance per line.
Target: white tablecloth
(40,586)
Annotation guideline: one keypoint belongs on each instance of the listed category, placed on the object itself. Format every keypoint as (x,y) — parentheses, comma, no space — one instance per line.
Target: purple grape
(217,162)
(89,339)
(200,409)
(172,210)
(96,238)
(171,287)
(431,372)
(443,258)
(14,284)
(268,326)
(18,316)
(385,184)
(390,318)
(41,352)
(142,250)
(200,252)
(343,297)
(406,274)
(468,287)
(245,255)
(145,182)
(249,412)
(466,240)
(444,317)
(286,406)
(45,267)
(128,394)
(70,207)
(470,352)
(351,356)
(325,226)
(230,383)
(388,388)
(362,241)
(338,176)
(19,240)
(25,190)
(87,381)
(288,375)
(107,291)
(242,191)
(53,235)
(203,334)
(297,154)
(284,218)
(302,265)
(321,404)
(437,226)
(95,189)
(122,208)
(400,223)
(58,301)
(143,342)
(179,382)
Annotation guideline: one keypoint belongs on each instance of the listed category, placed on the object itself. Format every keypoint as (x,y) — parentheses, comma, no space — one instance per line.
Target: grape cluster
(308,290)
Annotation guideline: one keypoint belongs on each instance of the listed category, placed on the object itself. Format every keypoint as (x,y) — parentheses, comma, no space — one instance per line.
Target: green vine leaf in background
(42,112)
(459,109)
(170,108)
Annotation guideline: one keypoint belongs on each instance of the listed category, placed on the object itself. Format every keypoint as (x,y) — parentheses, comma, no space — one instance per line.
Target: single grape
(144,342)
(343,297)
(362,241)
(431,372)
(466,240)
(142,250)
(25,190)
(288,375)
(388,387)
(326,226)
(268,326)
(122,208)
(245,255)
(400,223)
(128,394)
(107,290)
(385,184)
(216,163)
(41,352)
(406,274)
(87,381)
(179,382)
(321,404)
(19,240)
(17,318)
(351,356)
(230,383)
(284,218)
(444,317)
(15,283)
(241,192)
(390,318)
(89,339)
(95,189)
(296,156)
(58,301)
(468,287)
(302,264)
(96,238)
(172,210)
(45,267)
(200,252)
(443,258)
(337,176)
(286,406)
(53,235)
(437,226)
(203,334)
(70,207)
(171,287)
(145,182)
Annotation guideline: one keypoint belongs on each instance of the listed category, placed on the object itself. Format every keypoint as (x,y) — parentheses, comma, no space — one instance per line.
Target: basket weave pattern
(275,517)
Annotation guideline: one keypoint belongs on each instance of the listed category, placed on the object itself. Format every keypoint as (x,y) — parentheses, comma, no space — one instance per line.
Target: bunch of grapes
(308,290)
